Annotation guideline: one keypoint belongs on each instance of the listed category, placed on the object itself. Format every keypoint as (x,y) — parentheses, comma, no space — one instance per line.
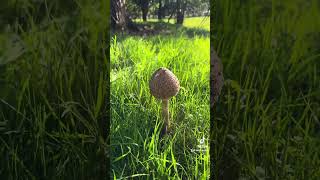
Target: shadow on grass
(164,28)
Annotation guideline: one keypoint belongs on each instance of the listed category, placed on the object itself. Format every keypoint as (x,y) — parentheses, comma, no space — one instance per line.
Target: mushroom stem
(165,113)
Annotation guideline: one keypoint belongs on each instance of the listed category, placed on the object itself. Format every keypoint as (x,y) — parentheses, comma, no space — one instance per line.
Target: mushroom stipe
(164,85)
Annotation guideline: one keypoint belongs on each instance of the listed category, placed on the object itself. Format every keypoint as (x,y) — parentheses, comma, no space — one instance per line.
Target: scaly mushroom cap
(216,77)
(164,84)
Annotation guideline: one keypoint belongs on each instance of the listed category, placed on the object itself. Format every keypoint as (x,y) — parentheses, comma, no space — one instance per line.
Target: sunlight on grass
(136,115)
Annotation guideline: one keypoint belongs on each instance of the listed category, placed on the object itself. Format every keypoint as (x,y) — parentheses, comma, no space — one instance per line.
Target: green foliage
(53,71)
(137,150)
(266,125)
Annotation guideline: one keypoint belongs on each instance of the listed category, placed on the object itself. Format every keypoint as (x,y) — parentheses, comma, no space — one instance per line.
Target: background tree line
(123,11)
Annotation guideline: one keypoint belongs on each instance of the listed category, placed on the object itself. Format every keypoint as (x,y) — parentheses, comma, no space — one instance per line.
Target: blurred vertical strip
(105,120)
(216,83)
(54,89)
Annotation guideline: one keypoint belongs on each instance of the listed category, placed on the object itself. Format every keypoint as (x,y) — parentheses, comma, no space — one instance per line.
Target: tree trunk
(160,10)
(145,9)
(144,14)
(118,14)
(180,11)
(119,18)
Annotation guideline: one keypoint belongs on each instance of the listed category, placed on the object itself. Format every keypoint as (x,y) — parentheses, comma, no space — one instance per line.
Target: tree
(118,14)
(144,9)
(181,6)
(144,6)
(119,17)
(160,10)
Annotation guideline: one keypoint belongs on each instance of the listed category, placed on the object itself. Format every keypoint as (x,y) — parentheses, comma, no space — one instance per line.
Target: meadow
(266,124)
(137,150)
(54,76)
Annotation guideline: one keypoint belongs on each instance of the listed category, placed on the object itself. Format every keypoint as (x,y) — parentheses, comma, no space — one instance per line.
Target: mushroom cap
(164,84)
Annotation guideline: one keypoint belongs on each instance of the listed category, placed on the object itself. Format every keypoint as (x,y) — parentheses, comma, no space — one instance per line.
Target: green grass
(137,150)
(53,68)
(197,22)
(266,124)
(53,65)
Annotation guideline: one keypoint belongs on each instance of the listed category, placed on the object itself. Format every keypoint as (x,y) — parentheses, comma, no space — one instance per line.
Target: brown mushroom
(216,79)
(163,85)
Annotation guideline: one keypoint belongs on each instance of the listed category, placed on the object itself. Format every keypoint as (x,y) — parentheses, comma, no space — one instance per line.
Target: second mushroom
(164,85)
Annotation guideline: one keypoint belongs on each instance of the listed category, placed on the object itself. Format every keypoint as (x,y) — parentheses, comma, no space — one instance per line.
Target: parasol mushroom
(164,85)
(216,80)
